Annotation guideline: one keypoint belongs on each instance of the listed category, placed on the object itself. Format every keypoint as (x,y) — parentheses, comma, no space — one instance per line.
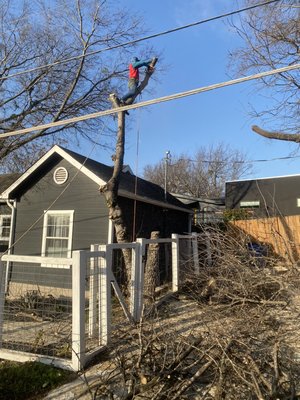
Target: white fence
(61,311)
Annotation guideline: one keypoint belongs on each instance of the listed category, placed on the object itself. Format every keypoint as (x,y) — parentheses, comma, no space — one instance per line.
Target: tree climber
(133,81)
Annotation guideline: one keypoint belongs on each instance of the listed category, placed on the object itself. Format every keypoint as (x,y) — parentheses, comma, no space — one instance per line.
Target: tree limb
(289,137)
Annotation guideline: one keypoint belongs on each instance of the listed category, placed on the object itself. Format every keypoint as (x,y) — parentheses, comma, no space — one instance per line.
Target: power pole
(167,159)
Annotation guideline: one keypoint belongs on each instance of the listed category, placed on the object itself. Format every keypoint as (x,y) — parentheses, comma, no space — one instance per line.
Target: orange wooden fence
(281,233)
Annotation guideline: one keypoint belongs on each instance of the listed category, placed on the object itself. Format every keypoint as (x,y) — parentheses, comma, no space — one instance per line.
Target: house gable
(55,154)
(90,218)
(130,186)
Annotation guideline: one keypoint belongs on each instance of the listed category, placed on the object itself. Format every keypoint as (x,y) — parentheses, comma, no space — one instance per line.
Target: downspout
(12,205)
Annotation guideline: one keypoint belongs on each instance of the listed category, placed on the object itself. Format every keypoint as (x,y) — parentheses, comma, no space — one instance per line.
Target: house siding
(38,193)
(276,195)
(90,222)
(153,218)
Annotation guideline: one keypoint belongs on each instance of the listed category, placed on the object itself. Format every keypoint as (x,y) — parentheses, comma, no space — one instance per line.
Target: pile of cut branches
(242,343)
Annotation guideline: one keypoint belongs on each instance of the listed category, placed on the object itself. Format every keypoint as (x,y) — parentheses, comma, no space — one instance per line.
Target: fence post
(78,309)
(94,271)
(195,253)
(208,249)
(175,262)
(139,285)
(105,296)
(134,282)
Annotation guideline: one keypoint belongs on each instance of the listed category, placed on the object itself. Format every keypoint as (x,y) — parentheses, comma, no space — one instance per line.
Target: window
(5,227)
(57,234)
(250,204)
(298,202)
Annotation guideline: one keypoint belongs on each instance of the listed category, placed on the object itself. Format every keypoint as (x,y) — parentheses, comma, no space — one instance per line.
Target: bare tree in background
(37,33)
(271,36)
(204,174)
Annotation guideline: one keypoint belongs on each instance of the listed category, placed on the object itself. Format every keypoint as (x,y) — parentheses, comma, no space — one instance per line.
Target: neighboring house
(205,210)
(56,207)
(268,209)
(265,196)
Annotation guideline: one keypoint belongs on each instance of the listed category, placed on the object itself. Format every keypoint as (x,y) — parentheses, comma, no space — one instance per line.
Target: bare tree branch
(270,38)
(62,30)
(203,174)
(289,137)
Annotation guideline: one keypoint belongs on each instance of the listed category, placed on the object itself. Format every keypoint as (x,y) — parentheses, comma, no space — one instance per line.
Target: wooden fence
(280,233)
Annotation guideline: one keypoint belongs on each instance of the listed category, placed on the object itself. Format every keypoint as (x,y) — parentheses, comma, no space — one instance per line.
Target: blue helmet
(134,59)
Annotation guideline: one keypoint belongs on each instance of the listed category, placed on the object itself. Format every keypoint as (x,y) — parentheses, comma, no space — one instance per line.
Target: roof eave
(56,149)
(163,204)
(39,163)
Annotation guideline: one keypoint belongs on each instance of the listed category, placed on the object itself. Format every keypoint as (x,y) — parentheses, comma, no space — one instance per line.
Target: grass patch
(30,380)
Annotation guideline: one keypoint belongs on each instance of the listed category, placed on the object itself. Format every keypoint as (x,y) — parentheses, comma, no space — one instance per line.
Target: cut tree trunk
(110,189)
(151,270)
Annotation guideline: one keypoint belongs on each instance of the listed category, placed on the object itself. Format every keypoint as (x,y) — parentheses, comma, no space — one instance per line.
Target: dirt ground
(181,317)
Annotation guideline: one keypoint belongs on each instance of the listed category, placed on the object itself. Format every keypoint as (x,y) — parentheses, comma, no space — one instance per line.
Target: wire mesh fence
(37,318)
(50,308)
(64,311)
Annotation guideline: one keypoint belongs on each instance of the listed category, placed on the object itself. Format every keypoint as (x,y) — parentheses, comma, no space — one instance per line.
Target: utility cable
(234,161)
(151,102)
(155,35)
(267,160)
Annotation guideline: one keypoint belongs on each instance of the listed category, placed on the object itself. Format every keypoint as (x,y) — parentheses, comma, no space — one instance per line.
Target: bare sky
(194,58)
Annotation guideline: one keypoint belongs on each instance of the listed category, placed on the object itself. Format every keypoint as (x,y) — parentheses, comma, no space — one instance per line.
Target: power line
(268,160)
(151,102)
(235,161)
(66,60)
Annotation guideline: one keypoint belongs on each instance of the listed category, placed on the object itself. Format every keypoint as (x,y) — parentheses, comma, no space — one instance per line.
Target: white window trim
(70,238)
(250,204)
(5,238)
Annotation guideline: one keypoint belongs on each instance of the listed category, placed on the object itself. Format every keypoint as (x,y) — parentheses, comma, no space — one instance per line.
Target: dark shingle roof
(128,183)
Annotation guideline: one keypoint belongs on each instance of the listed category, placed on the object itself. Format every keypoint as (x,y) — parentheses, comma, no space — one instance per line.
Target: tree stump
(151,270)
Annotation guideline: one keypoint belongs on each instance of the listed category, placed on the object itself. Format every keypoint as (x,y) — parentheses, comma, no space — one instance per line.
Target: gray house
(56,207)
(265,197)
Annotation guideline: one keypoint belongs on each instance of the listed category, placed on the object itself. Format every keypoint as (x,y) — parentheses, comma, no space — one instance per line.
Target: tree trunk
(151,270)
(110,189)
